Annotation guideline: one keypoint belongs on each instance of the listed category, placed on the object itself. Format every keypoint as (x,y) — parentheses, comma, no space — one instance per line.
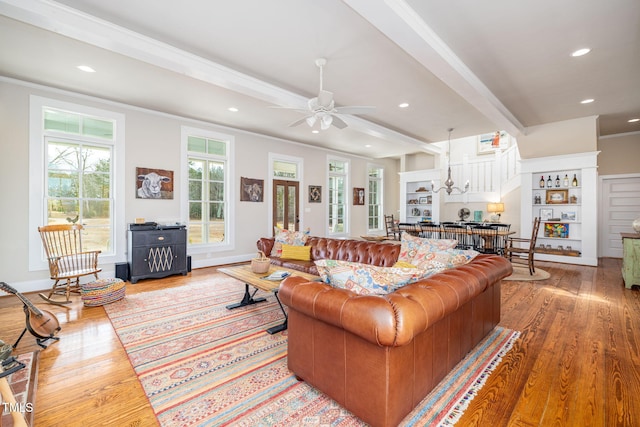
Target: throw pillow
(286,237)
(413,248)
(449,258)
(365,279)
(300,253)
(403,264)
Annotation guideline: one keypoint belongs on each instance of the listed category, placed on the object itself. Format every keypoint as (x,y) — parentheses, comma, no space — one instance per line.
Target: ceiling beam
(403,25)
(81,26)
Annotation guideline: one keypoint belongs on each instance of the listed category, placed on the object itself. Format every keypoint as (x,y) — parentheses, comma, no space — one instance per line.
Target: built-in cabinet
(417,202)
(561,190)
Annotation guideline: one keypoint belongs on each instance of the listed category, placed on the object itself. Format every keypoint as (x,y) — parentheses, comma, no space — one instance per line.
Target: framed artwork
(490,142)
(358,196)
(556,230)
(557,196)
(251,190)
(546,214)
(568,216)
(154,183)
(315,194)
(423,201)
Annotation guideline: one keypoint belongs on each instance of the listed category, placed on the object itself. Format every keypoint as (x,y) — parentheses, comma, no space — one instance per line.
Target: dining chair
(391,227)
(430,230)
(485,239)
(460,233)
(523,254)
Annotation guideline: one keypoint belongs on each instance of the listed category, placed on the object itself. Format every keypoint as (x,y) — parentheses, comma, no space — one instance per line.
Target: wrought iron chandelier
(449,184)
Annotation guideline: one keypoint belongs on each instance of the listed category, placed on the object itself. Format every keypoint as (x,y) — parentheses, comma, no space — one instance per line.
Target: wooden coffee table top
(243,272)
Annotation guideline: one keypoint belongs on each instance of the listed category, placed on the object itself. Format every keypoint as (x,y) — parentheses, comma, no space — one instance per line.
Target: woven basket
(260,265)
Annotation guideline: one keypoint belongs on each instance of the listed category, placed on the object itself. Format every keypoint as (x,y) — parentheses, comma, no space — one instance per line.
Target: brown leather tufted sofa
(379,356)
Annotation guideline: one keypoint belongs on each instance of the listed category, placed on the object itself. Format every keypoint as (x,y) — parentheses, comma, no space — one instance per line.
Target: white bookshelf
(417,202)
(568,212)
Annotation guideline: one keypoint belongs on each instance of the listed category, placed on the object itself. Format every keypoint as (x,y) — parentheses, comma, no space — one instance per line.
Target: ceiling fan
(322,109)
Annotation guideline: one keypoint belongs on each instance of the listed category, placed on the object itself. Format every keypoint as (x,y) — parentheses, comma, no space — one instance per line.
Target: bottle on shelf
(565,181)
(549,182)
(542,181)
(574,183)
(557,181)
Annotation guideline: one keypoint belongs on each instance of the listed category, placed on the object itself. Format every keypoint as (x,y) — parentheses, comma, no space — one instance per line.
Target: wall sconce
(495,209)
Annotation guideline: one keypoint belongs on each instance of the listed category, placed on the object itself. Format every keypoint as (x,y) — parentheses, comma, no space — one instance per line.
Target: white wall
(153,140)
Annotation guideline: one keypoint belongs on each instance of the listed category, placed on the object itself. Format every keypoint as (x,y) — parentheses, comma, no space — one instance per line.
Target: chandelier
(448,184)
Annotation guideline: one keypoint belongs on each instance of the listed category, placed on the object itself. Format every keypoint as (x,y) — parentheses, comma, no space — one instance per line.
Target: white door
(620,205)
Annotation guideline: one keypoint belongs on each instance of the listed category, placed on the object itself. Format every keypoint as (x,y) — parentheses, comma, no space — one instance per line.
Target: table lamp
(495,209)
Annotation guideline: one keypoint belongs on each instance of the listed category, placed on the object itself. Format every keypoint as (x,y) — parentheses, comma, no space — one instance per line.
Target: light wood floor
(577,362)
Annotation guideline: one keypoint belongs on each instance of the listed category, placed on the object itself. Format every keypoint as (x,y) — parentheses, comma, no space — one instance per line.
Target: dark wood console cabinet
(157,252)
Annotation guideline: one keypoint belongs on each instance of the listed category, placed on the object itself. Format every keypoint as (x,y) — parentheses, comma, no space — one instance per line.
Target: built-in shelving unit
(417,202)
(561,190)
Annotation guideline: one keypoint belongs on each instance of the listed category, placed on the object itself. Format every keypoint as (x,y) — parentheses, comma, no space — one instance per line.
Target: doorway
(286,204)
(619,204)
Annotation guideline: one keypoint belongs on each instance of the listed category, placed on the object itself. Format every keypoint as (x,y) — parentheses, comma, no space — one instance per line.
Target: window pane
(216,211)
(62,211)
(96,212)
(194,231)
(96,159)
(195,190)
(96,238)
(285,169)
(196,144)
(96,186)
(97,127)
(216,231)
(195,211)
(216,192)
(195,168)
(217,147)
(63,156)
(216,171)
(63,184)
(61,121)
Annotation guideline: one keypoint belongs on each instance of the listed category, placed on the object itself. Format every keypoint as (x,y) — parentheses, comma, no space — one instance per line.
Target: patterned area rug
(521,273)
(201,364)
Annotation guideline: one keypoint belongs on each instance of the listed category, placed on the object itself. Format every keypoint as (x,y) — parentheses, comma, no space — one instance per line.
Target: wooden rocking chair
(67,261)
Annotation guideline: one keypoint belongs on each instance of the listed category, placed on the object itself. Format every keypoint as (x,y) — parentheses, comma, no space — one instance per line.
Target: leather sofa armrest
(265,244)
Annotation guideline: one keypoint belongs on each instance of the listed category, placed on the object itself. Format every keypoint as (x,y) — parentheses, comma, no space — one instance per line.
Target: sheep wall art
(252,189)
(154,183)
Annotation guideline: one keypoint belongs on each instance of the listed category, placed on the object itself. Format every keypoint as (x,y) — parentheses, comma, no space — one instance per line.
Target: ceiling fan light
(326,121)
(311,120)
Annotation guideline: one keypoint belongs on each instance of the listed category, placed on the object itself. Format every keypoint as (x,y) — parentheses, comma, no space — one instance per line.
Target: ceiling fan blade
(355,109)
(325,99)
(299,121)
(338,122)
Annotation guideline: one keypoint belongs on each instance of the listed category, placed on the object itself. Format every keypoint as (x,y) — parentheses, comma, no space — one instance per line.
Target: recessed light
(315,131)
(634,120)
(581,52)
(86,69)
(367,146)
(403,105)
(233,109)
(586,101)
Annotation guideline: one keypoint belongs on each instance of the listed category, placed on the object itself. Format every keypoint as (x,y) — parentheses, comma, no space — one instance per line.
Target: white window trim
(229,188)
(381,189)
(37,178)
(347,210)
(272,158)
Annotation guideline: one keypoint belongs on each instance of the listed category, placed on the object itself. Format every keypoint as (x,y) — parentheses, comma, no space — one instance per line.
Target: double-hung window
(73,167)
(375,175)
(208,188)
(338,182)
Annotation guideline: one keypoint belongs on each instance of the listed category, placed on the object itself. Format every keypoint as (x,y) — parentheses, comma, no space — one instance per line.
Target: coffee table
(243,273)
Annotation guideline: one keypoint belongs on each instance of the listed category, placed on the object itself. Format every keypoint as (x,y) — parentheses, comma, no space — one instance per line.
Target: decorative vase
(636,225)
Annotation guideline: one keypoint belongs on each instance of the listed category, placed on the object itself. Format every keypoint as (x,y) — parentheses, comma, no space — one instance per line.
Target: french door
(286,204)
